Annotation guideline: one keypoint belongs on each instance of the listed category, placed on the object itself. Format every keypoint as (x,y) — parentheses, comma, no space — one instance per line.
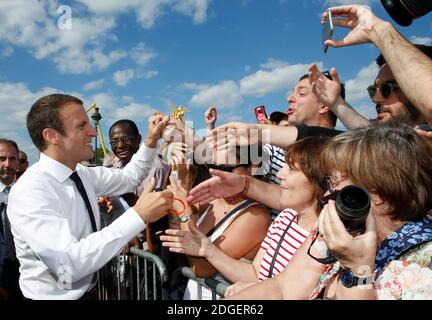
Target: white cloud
(247,68)
(148,11)
(33,25)
(225,94)
(194,86)
(421,40)
(142,55)
(93,85)
(135,111)
(356,88)
(278,76)
(122,77)
(112,109)
(281,77)
(15,102)
(272,64)
(147,74)
(197,9)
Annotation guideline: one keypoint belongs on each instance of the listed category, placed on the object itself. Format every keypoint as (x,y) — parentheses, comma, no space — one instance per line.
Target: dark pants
(10,279)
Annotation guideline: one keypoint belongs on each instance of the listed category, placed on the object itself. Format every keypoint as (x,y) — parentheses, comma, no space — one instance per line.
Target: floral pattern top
(409,277)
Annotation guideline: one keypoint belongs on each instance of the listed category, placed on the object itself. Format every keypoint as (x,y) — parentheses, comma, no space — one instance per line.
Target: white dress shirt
(56,248)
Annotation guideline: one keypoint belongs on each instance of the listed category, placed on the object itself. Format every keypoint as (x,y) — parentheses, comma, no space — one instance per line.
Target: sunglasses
(225,167)
(385,89)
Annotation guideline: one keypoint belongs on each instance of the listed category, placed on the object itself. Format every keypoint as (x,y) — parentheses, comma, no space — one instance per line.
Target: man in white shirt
(55,223)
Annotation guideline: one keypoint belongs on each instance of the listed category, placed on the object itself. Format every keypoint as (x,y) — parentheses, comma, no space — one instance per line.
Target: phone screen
(260,114)
(327,31)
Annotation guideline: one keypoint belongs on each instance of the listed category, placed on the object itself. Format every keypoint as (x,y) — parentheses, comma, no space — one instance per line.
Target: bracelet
(185,206)
(246,186)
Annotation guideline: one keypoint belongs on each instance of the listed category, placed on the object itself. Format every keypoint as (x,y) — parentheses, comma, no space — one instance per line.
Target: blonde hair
(391,161)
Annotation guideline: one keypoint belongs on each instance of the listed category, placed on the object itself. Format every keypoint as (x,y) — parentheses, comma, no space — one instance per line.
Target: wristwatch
(184,218)
(349,279)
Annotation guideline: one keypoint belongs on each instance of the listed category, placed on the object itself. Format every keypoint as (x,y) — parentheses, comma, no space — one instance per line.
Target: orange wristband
(185,206)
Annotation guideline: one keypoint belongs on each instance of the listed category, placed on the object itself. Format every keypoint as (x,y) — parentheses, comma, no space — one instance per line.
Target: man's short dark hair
(427,50)
(11,143)
(127,122)
(44,114)
(332,116)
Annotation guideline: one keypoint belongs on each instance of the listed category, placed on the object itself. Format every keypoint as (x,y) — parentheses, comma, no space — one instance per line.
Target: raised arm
(227,184)
(411,68)
(240,134)
(328,92)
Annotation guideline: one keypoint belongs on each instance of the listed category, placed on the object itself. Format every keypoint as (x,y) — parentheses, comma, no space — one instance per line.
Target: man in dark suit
(9,265)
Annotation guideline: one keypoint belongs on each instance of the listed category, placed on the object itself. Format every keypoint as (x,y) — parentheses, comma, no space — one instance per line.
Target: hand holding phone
(261,115)
(327,31)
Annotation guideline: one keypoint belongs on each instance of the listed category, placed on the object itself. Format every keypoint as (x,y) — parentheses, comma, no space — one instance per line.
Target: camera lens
(353,205)
(405,11)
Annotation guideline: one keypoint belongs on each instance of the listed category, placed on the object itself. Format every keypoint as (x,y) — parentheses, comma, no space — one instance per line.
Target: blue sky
(133,57)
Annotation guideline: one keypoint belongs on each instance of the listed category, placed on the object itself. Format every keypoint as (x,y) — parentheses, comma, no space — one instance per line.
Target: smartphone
(327,31)
(261,115)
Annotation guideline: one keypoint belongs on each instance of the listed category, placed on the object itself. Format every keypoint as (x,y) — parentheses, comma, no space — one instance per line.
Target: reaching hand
(156,125)
(151,206)
(107,203)
(192,242)
(179,153)
(210,117)
(326,90)
(358,18)
(237,287)
(233,135)
(221,185)
(355,253)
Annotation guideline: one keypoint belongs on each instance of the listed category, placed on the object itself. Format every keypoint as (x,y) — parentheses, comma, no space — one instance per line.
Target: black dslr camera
(353,204)
(405,11)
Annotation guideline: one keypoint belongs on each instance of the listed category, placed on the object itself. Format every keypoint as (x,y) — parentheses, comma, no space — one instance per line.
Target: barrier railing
(140,276)
(216,286)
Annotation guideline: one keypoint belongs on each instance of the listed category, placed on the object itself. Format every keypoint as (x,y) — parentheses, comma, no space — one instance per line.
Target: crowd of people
(286,209)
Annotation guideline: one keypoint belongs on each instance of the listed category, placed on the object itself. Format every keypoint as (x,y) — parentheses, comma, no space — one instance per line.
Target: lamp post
(96,116)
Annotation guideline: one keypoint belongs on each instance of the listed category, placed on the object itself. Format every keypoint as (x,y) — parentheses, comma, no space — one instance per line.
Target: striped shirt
(273,161)
(293,238)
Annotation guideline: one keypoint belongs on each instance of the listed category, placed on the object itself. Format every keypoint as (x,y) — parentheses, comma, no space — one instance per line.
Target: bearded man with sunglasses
(392,105)
(402,88)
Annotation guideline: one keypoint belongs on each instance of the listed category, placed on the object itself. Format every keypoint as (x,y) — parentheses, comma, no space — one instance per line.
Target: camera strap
(270,274)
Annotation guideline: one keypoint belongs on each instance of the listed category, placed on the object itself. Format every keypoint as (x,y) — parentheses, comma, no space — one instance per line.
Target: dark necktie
(9,240)
(78,183)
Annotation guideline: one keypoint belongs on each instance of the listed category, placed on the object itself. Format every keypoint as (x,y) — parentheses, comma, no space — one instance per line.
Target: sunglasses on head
(385,89)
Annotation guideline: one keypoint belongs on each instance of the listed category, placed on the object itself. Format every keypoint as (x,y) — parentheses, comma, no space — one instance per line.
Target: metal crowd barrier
(216,286)
(140,276)
(143,276)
